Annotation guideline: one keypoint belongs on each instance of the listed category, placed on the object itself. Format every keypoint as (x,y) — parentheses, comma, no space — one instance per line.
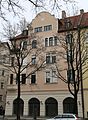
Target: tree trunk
(18,97)
(75,104)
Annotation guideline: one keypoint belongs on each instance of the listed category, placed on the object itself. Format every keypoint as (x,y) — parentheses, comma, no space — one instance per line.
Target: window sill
(51,83)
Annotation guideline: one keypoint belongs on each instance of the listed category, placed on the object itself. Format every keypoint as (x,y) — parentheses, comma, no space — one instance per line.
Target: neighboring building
(3,76)
(78,26)
(43,92)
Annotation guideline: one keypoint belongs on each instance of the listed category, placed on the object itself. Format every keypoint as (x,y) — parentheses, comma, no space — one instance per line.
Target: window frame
(47,27)
(24,45)
(34,44)
(1,98)
(33,78)
(11,78)
(50,58)
(2,85)
(23,78)
(50,78)
(38,29)
(33,59)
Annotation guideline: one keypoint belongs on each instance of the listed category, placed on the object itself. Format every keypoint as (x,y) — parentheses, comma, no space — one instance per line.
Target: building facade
(3,77)
(42,92)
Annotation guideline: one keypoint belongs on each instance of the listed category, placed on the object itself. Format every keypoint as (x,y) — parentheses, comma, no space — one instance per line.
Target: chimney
(81,11)
(63,14)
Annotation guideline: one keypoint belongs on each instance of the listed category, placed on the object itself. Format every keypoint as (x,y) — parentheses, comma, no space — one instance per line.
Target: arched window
(34,44)
(68,105)
(34,107)
(51,107)
(15,106)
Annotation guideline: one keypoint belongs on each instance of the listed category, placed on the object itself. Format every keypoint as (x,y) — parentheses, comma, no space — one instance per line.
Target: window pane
(23,78)
(33,59)
(2,85)
(11,78)
(46,42)
(0,98)
(33,78)
(3,72)
(55,40)
(25,45)
(12,61)
(51,41)
(53,59)
(34,43)
(48,27)
(47,59)
(47,77)
(38,29)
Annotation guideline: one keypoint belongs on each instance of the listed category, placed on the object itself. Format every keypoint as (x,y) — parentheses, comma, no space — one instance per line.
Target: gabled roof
(75,21)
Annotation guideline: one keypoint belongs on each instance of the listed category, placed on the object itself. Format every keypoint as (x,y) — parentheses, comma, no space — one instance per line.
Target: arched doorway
(34,107)
(51,107)
(68,105)
(15,106)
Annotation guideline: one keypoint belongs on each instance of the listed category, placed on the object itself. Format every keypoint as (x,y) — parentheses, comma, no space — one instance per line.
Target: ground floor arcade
(42,103)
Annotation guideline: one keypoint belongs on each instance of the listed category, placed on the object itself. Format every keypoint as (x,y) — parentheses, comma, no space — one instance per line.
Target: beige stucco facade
(3,75)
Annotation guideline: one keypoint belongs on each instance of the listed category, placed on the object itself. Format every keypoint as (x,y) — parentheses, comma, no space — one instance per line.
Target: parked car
(65,117)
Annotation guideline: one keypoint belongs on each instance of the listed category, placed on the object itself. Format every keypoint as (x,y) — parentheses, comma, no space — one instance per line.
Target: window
(23,78)
(38,29)
(69,38)
(51,41)
(0,98)
(11,78)
(33,79)
(51,76)
(70,75)
(50,58)
(25,45)
(55,40)
(46,42)
(25,32)
(12,61)
(3,72)
(33,59)
(2,85)
(70,55)
(86,37)
(48,27)
(34,44)
(47,77)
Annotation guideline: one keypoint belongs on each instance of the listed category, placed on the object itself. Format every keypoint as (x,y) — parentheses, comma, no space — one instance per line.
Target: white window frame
(50,76)
(51,55)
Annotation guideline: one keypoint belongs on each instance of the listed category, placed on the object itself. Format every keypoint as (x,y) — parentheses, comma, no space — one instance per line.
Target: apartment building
(3,77)
(42,92)
(78,26)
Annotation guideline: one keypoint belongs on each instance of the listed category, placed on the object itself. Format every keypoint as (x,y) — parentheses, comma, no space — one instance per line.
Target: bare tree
(15,6)
(74,55)
(20,51)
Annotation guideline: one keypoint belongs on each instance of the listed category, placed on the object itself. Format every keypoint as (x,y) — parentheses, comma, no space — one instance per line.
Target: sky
(30,14)
(83,4)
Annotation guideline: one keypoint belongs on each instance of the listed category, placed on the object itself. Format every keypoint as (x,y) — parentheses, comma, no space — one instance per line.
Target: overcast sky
(29,14)
(83,4)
